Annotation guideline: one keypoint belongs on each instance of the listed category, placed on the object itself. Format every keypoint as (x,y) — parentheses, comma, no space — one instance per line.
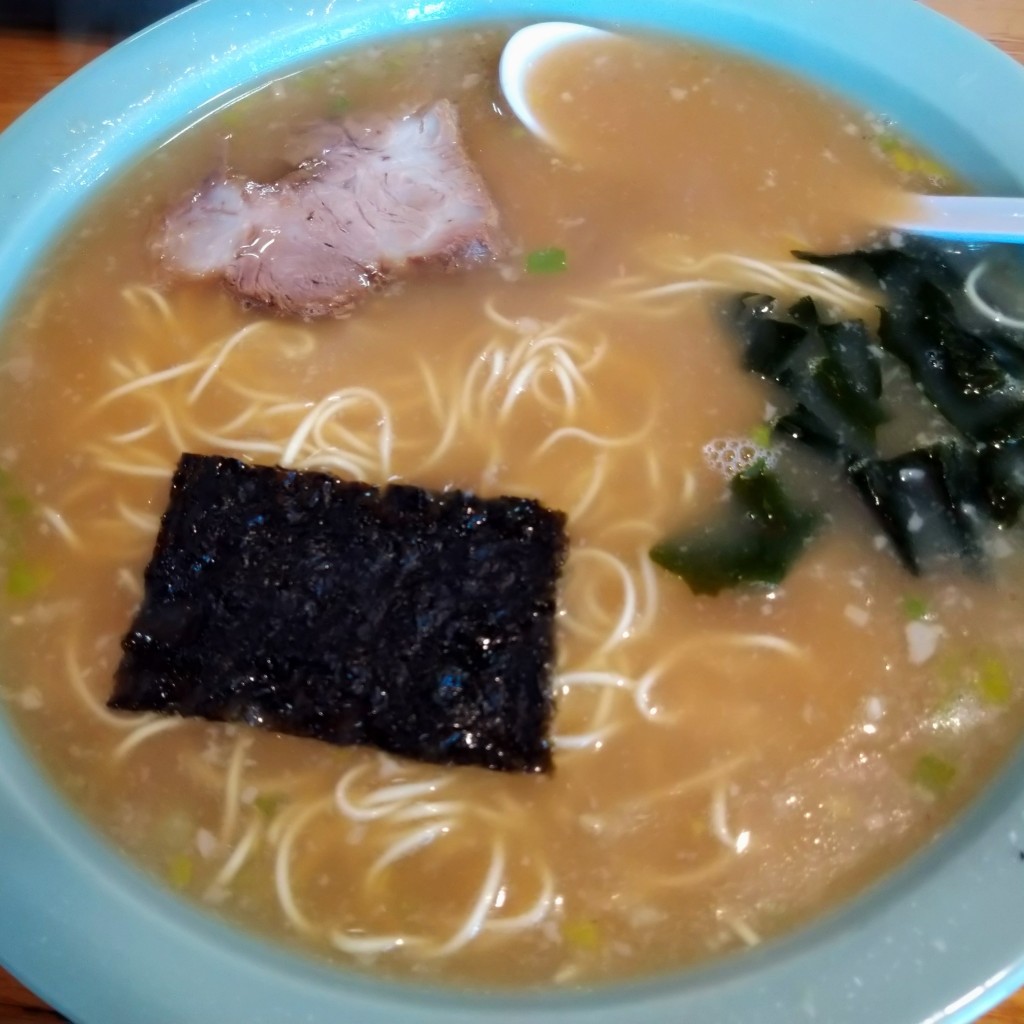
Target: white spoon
(966,218)
(523,52)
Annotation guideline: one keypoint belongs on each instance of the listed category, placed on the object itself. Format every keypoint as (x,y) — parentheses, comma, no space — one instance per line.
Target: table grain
(32,64)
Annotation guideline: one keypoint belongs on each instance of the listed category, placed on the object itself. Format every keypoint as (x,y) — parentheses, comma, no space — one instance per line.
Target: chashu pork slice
(369,200)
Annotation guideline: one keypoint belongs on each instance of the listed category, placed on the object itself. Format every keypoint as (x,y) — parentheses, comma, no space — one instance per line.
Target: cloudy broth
(725,767)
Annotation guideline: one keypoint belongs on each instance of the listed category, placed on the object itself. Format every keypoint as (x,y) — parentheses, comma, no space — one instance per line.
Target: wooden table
(31,65)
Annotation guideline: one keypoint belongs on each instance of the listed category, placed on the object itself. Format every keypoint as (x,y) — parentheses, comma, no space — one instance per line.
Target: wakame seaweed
(768,343)
(852,351)
(928,502)
(932,502)
(895,272)
(969,367)
(420,622)
(804,427)
(831,370)
(756,541)
(957,370)
(1001,471)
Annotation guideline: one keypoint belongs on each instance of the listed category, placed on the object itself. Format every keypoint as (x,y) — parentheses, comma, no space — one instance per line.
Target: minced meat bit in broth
(724,767)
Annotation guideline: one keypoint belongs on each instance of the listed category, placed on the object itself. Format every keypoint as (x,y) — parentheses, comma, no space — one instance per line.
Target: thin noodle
(98,710)
(567,680)
(432,809)
(484,904)
(129,581)
(138,295)
(704,644)
(131,436)
(143,732)
(584,741)
(59,523)
(984,307)
(620,630)
(742,930)
(587,498)
(341,464)
(719,820)
(149,380)
(540,909)
(126,469)
(591,438)
(370,945)
(649,585)
(233,787)
(405,846)
(433,391)
(282,863)
(144,521)
(244,848)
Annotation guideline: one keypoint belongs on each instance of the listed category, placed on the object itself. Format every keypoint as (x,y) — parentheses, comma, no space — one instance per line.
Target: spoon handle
(968,218)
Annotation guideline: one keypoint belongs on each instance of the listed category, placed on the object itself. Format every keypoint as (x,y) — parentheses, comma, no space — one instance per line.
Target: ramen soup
(725,766)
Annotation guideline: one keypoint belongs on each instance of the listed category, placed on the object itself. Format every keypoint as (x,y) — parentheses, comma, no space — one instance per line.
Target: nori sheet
(419,622)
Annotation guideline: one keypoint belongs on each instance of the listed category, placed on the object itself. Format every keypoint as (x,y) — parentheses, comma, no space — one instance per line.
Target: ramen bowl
(937,939)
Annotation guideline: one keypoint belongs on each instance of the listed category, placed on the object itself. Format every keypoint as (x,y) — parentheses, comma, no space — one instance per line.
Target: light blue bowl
(942,940)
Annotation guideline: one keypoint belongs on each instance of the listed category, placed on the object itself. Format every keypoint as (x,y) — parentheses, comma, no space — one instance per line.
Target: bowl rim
(935,941)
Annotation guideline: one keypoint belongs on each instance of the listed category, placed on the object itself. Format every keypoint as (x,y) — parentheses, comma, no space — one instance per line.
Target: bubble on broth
(728,456)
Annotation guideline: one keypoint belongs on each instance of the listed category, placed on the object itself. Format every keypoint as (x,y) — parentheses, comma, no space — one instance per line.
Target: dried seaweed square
(420,622)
